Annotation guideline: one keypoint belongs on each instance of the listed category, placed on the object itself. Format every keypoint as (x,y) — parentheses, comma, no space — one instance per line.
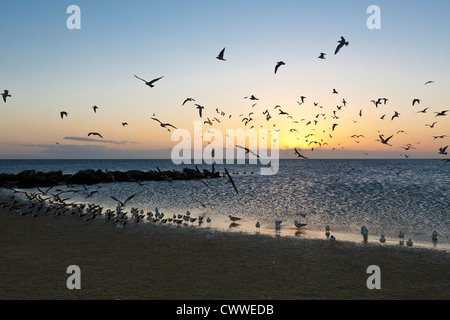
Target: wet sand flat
(157,262)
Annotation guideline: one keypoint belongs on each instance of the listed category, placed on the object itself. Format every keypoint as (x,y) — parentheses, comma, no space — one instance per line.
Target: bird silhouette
(220,56)
(95,109)
(95,134)
(149,83)
(279,64)
(63,114)
(164,125)
(298,154)
(187,100)
(322,56)
(416,101)
(342,43)
(5,95)
(441,114)
(200,109)
(443,150)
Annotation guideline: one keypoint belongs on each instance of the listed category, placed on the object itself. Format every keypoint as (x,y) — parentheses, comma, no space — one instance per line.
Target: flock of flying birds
(313,139)
(59,206)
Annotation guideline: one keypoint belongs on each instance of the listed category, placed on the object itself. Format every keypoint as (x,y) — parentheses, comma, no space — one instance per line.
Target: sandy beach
(156,262)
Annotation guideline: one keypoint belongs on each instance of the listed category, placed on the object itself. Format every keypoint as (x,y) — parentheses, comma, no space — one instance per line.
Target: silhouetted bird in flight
(299,155)
(187,100)
(342,43)
(95,108)
(5,95)
(124,124)
(200,109)
(164,125)
(395,115)
(322,55)
(442,113)
(220,56)
(385,141)
(279,64)
(415,101)
(428,82)
(431,125)
(423,111)
(63,113)
(443,150)
(95,134)
(335,92)
(149,83)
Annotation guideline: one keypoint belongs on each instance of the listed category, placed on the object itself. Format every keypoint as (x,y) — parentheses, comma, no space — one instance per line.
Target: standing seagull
(5,95)
(279,64)
(220,56)
(149,83)
(342,43)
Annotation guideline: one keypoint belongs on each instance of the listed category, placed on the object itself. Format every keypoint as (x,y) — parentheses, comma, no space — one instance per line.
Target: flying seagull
(63,113)
(322,55)
(200,109)
(95,108)
(423,111)
(124,124)
(335,92)
(428,82)
(416,101)
(443,150)
(247,150)
(188,99)
(231,180)
(442,113)
(122,204)
(431,125)
(95,134)
(298,154)
(5,95)
(149,83)
(395,115)
(279,64)
(342,43)
(164,125)
(385,141)
(220,56)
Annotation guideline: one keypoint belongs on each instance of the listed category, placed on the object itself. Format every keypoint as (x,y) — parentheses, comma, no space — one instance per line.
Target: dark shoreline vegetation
(33,179)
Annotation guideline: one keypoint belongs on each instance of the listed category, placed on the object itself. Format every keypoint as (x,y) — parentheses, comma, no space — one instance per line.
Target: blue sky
(49,68)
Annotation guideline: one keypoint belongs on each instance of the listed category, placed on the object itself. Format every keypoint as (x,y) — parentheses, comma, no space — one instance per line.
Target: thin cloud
(94,140)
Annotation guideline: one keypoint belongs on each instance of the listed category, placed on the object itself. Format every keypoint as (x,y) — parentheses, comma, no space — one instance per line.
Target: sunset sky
(48,68)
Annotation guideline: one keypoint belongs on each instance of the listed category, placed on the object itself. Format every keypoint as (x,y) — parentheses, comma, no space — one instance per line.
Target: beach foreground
(156,262)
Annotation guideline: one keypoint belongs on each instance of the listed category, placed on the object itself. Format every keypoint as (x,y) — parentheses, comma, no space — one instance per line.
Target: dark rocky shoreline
(33,179)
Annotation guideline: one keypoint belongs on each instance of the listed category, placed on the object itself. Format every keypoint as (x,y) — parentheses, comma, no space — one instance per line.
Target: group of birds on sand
(46,202)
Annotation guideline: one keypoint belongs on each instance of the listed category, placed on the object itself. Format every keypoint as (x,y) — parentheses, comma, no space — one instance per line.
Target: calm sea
(386,196)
